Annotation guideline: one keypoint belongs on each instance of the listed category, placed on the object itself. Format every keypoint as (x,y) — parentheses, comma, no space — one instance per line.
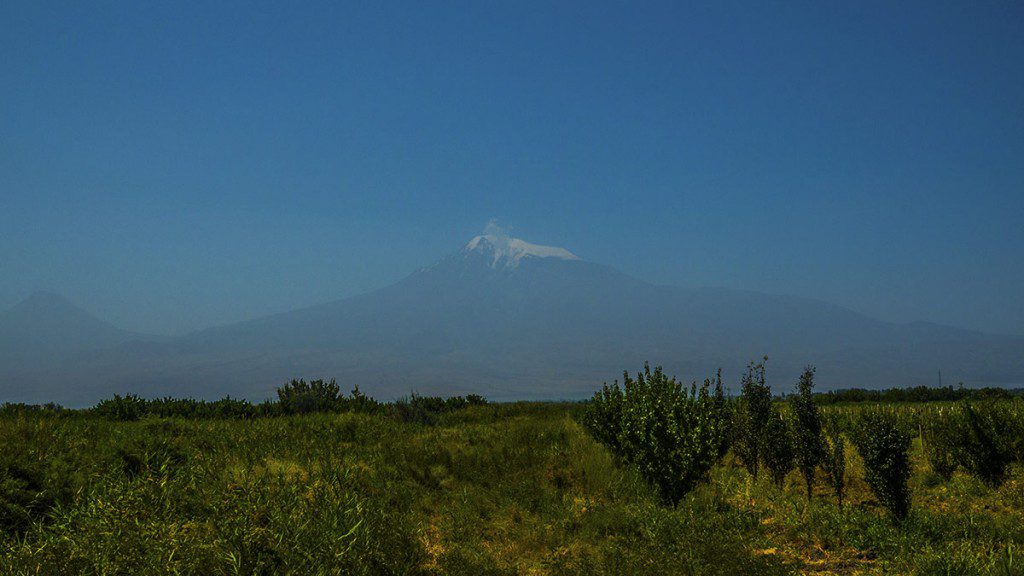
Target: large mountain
(511,319)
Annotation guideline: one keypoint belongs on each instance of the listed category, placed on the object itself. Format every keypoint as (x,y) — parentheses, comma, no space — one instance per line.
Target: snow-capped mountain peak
(506,252)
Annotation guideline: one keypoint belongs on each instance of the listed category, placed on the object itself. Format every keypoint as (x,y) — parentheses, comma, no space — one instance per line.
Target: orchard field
(344,485)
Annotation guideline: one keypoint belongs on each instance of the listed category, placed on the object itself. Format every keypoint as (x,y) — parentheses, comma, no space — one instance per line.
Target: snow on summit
(507,252)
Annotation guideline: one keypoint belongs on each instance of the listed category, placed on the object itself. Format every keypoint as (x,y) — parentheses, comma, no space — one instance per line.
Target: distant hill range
(499,317)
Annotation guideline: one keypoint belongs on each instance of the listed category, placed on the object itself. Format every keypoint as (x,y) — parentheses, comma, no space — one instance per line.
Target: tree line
(674,434)
(297,396)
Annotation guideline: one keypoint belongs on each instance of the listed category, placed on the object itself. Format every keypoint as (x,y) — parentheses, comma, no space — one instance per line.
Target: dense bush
(301,397)
(753,413)
(603,416)
(988,436)
(884,444)
(122,408)
(807,440)
(671,434)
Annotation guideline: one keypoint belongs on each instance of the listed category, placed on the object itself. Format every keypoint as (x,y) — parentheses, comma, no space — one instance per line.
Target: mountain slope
(508,319)
(45,331)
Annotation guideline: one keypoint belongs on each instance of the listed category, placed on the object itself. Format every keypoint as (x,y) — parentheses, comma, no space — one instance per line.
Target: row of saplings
(674,434)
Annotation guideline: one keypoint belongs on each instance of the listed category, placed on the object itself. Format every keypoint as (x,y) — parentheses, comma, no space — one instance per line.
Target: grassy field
(496,489)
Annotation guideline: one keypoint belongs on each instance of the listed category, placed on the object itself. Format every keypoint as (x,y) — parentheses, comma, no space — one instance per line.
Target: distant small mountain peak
(42,299)
(506,252)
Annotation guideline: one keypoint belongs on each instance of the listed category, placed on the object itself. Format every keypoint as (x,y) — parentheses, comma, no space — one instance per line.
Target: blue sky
(176,166)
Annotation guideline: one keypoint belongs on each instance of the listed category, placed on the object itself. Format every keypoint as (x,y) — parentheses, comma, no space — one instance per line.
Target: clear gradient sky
(172,166)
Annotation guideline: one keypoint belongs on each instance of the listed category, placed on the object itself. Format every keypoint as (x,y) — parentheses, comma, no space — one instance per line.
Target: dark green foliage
(122,408)
(29,488)
(16,409)
(941,438)
(151,455)
(295,397)
(884,444)
(777,450)
(227,407)
(807,441)
(916,394)
(833,460)
(603,416)
(671,434)
(724,414)
(22,494)
(988,437)
(301,397)
(752,415)
(427,409)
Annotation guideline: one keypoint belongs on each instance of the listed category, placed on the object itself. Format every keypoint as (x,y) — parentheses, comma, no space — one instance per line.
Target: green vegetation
(753,415)
(884,445)
(672,435)
(807,436)
(634,482)
(917,394)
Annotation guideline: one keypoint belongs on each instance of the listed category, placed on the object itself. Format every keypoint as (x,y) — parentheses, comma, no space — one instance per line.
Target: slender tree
(754,411)
(884,444)
(807,442)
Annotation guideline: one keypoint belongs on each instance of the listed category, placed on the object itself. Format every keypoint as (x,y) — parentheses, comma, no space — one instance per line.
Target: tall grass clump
(807,437)
(672,434)
(884,444)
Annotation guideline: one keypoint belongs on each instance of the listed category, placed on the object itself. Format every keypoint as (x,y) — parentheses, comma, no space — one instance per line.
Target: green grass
(498,489)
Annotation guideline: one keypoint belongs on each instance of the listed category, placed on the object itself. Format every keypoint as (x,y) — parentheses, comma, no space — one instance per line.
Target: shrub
(884,444)
(227,407)
(752,416)
(603,416)
(125,408)
(988,434)
(671,434)
(426,409)
(807,442)
(777,450)
(301,397)
(940,438)
(362,403)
